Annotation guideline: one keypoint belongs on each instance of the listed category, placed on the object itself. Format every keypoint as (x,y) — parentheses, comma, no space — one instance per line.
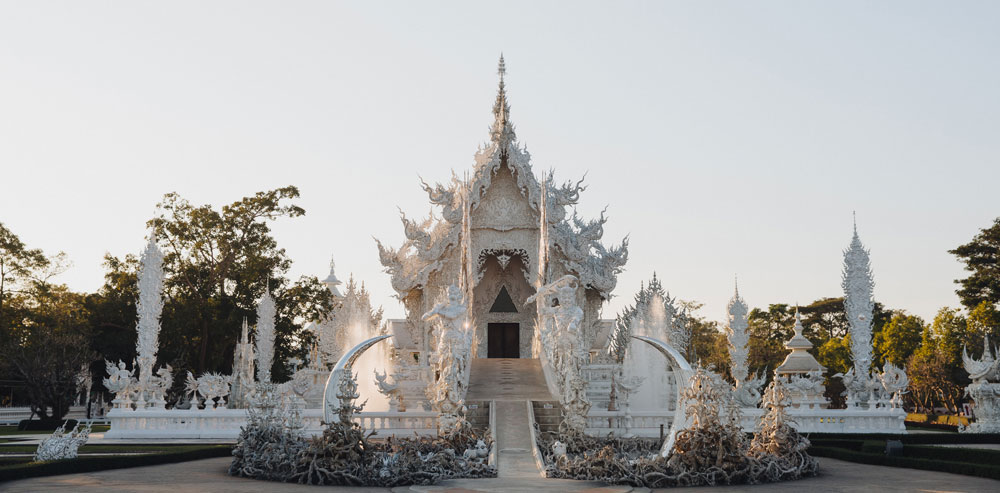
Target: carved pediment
(503,207)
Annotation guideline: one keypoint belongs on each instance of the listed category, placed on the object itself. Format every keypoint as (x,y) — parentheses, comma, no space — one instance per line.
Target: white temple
(502,271)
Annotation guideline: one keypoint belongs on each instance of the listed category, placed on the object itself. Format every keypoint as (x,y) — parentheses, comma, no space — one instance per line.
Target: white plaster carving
(746,391)
(450,359)
(149,307)
(61,445)
(559,319)
(264,339)
(984,389)
(858,285)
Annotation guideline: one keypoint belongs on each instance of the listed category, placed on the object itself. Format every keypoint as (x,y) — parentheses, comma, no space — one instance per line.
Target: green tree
(768,331)
(217,265)
(898,339)
(982,259)
(931,373)
(983,321)
(22,270)
(835,355)
(709,346)
(950,332)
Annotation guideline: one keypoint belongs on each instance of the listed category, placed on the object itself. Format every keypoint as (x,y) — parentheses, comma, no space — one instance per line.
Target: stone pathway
(210,475)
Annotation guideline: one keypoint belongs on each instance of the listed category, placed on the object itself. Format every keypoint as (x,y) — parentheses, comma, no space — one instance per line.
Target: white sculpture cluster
(561,338)
(61,445)
(984,389)
(450,359)
(746,391)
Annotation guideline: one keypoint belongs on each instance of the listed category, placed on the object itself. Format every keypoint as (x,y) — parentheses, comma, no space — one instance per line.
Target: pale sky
(727,138)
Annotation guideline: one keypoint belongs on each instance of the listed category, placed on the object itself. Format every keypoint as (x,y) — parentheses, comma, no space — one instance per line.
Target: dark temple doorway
(503,340)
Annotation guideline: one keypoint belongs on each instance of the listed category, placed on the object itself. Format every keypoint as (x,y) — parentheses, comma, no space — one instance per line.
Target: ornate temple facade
(499,233)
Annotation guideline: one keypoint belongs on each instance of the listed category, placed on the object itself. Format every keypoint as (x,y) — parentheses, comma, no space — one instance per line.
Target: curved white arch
(344,364)
(682,373)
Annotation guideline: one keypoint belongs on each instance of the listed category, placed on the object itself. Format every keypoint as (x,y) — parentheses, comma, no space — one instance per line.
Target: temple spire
(502,131)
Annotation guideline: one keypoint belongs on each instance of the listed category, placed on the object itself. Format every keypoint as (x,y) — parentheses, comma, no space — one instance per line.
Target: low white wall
(16,414)
(226,423)
(881,420)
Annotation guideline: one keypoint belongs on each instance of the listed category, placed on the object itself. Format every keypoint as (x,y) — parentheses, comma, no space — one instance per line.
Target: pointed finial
(854,214)
(501,68)
(736,283)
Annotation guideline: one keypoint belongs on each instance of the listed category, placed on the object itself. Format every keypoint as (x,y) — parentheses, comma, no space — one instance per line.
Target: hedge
(990,471)
(45,424)
(912,438)
(90,464)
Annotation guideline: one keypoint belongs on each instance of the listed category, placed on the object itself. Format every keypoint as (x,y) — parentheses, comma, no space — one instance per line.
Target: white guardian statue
(561,337)
(450,359)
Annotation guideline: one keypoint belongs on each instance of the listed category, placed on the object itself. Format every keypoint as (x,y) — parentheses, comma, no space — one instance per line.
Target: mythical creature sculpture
(213,386)
(450,359)
(159,385)
(120,382)
(480,451)
(61,445)
(894,383)
(390,390)
(559,322)
(984,389)
(806,390)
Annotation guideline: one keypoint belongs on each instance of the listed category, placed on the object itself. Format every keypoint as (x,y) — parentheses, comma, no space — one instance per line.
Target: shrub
(45,424)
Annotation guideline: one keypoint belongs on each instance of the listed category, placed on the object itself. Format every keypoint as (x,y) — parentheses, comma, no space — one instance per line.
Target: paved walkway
(210,475)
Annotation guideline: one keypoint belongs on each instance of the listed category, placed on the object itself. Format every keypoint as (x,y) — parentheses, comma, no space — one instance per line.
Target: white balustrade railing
(225,424)
(805,420)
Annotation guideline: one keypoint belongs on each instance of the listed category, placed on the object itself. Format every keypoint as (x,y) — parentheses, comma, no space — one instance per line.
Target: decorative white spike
(264,341)
(149,307)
